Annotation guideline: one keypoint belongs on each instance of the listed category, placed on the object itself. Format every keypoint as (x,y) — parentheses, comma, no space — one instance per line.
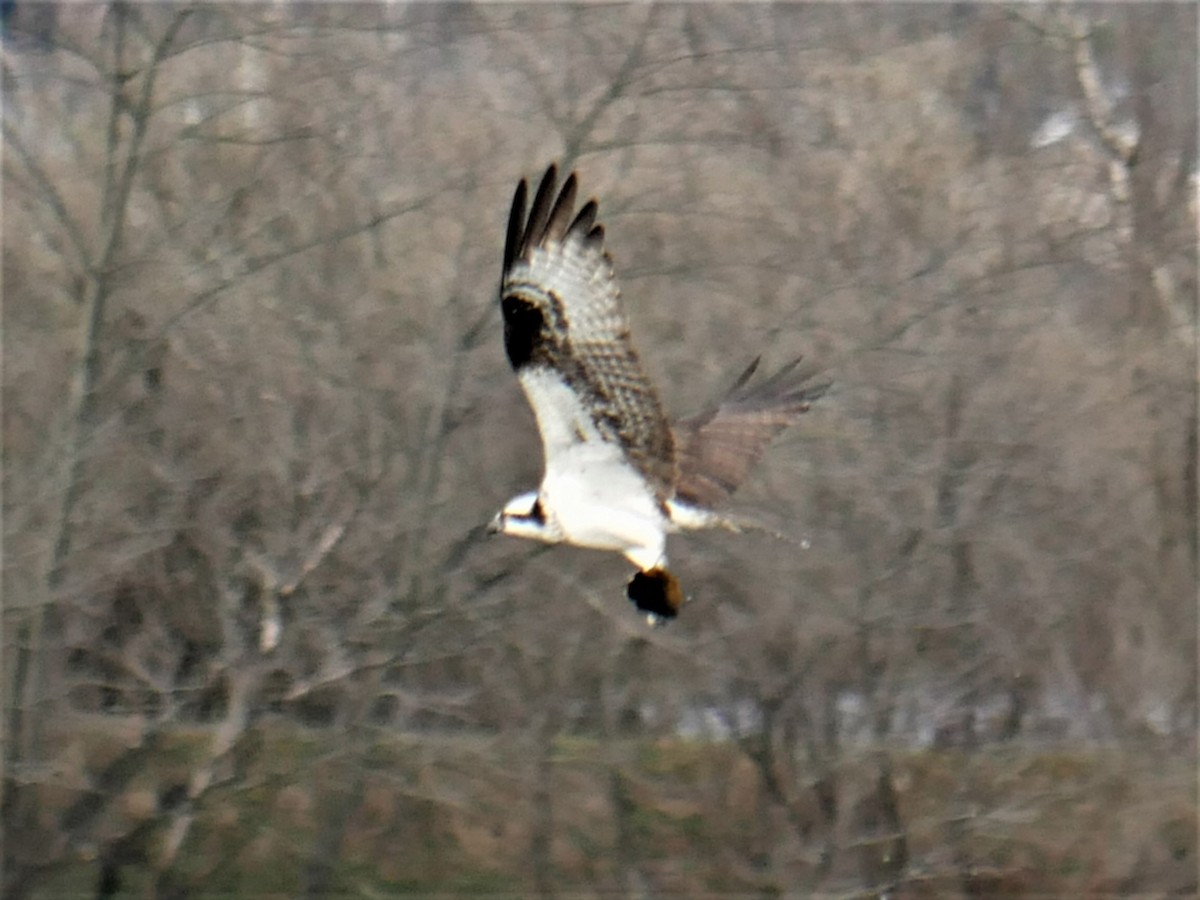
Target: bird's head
(524,516)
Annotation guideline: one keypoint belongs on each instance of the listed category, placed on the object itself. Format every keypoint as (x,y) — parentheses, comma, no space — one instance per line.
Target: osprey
(618,476)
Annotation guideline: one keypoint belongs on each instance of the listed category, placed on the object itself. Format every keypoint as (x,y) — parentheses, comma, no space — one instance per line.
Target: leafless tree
(257,411)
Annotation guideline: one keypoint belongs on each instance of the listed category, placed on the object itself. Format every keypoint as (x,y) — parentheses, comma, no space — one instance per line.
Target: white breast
(596,497)
(601,501)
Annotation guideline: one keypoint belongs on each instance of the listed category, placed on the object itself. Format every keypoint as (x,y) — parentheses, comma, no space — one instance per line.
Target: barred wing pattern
(718,447)
(562,312)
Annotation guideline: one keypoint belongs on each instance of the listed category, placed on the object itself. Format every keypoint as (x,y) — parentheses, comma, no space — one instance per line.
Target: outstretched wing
(719,446)
(568,339)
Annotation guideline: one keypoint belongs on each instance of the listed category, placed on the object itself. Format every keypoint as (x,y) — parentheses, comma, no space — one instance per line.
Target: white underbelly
(600,501)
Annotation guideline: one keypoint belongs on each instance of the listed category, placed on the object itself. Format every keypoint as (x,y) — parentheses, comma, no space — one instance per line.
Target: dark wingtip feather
(539,213)
(809,393)
(789,387)
(558,224)
(586,218)
(516,221)
(745,376)
(782,375)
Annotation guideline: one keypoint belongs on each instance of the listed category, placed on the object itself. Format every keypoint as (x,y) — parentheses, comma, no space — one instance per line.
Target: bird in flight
(618,475)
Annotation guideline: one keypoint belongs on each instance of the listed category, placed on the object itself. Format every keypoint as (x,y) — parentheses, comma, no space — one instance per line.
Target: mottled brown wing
(718,447)
(562,312)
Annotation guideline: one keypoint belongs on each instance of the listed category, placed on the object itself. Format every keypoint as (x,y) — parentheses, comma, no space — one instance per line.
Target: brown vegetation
(256,410)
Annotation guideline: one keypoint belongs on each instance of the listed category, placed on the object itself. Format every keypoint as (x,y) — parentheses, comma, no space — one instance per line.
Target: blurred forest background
(256,408)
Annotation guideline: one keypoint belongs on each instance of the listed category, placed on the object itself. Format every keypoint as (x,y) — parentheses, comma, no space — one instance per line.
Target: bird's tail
(657,593)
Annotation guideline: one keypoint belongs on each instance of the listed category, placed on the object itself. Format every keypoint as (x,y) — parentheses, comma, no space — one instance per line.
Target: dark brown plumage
(719,446)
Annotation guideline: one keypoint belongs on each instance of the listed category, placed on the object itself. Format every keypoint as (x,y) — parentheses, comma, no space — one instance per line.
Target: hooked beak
(496,526)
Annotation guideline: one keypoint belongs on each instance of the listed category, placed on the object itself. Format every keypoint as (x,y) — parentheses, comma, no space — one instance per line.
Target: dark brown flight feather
(719,446)
(516,225)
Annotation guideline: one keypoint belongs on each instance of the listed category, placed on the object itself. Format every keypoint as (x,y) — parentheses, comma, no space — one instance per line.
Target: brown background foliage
(256,408)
